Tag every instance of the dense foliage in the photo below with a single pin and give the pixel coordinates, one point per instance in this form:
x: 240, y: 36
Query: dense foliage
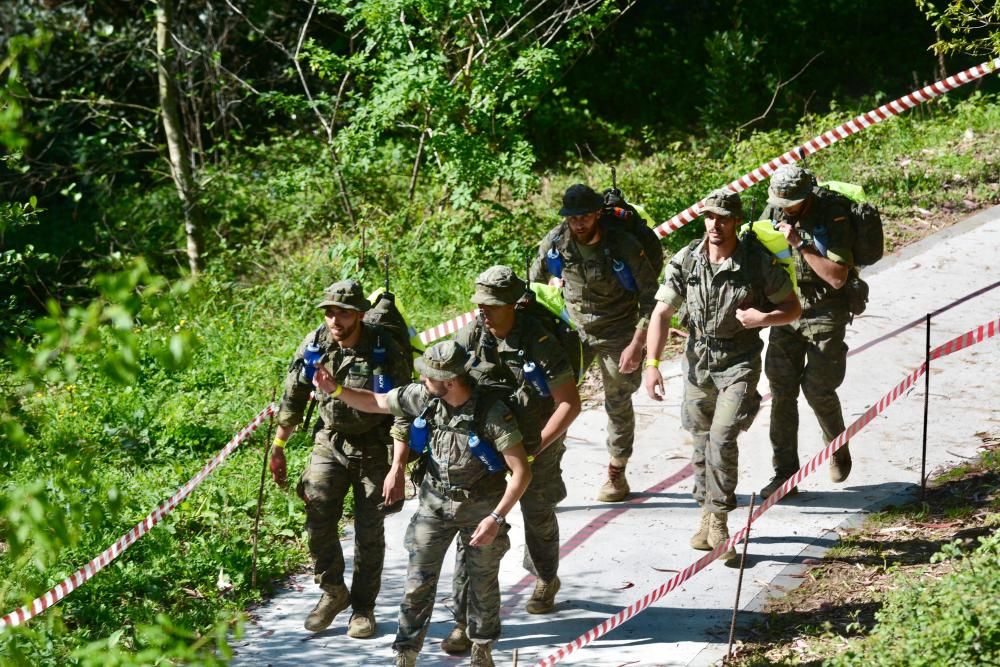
x: 950, y: 620
x: 324, y: 136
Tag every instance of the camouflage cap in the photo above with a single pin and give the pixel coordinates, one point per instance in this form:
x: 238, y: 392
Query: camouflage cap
x: 444, y: 361
x: 789, y: 186
x: 723, y: 202
x: 498, y: 286
x: 580, y: 199
x: 345, y: 294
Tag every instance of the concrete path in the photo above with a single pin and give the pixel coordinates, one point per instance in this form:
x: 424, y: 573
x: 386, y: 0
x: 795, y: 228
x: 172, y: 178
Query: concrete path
x: 613, y: 554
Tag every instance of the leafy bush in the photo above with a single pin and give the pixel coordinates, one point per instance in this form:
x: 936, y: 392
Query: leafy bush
x: 954, y: 620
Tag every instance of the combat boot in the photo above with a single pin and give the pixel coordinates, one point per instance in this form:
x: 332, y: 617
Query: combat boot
x: 406, y: 659
x: 700, y: 539
x: 482, y: 656
x: 774, y: 485
x: 718, y: 533
x: 362, y: 625
x: 543, y: 599
x: 840, y: 464
x: 332, y: 603
x: 615, y: 488
x: 457, y: 642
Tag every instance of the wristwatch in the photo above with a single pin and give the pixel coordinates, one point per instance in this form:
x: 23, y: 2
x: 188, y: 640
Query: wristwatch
x: 803, y: 243
x: 499, y: 519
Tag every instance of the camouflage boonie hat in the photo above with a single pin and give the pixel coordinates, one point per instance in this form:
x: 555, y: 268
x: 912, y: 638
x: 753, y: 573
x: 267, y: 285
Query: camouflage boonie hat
x: 580, y: 199
x: 345, y: 294
x: 723, y: 202
x: 789, y: 186
x: 498, y: 286
x: 444, y: 361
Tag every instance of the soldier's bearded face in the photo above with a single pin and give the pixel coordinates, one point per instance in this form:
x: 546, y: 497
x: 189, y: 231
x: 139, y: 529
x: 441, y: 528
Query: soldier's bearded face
x: 343, y: 323
x: 584, y: 227
x: 435, y: 388
x: 721, y: 230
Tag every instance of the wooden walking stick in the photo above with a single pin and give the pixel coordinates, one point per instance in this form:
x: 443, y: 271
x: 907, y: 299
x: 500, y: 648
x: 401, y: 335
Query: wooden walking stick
x: 739, y: 584
x: 260, y: 494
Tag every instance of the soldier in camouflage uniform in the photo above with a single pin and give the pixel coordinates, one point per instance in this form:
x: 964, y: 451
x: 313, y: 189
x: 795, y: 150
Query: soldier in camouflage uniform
x: 502, y: 340
x: 810, y: 353
x: 732, y: 288
x: 458, y: 494
x: 350, y: 452
x: 597, y: 263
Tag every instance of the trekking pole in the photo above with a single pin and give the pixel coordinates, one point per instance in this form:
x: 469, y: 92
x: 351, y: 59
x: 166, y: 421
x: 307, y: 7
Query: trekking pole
x: 260, y: 494
x: 927, y: 396
x: 753, y: 208
x: 739, y: 583
x: 387, y: 273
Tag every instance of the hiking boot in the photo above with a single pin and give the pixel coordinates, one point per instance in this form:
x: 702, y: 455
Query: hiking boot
x: 361, y: 625
x: 774, y: 485
x: 332, y: 603
x: 457, y: 642
x: 406, y: 659
x: 615, y: 488
x: 482, y: 656
x: 543, y: 600
x: 700, y: 539
x: 718, y: 533
x: 840, y: 464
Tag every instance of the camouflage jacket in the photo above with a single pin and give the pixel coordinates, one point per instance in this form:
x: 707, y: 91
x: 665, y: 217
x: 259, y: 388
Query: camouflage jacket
x: 351, y: 367
x: 825, y: 220
x: 600, y: 307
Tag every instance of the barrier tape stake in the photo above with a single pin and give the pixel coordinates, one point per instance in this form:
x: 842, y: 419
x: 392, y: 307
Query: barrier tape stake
x: 260, y: 492
x: 927, y: 400
x: 739, y: 582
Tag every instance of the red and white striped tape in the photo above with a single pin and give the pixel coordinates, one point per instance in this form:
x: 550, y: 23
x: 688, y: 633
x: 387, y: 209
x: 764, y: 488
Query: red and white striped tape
x: 81, y: 576
x: 447, y: 328
x: 884, y: 112
x: 977, y: 335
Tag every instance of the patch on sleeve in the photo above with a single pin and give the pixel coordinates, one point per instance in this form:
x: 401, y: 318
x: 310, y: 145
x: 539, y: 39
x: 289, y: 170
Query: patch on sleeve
x: 507, y: 417
x: 840, y: 219
x: 543, y: 338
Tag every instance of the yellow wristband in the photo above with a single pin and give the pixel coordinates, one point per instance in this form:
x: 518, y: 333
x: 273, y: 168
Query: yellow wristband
x: 279, y: 443
x: 531, y: 459
x: 652, y: 363
x: 338, y: 391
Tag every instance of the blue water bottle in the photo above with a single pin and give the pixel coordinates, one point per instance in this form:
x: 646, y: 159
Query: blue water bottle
x: 419, y: 432
x: 534, y: 375
x: 382, y: 382
x: 624, y: 275
x: 554, y: 263
x: 485, y: 453
x: 310, y: 359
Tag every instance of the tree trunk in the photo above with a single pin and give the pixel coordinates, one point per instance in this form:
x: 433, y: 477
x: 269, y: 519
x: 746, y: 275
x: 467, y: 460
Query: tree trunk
x: 177, y: 147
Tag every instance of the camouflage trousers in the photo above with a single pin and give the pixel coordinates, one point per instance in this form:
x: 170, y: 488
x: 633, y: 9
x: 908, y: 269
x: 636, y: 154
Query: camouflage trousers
x: 714, y: 414
x: 810, y: 354
x: 438, y: 520
x: 618, y: 390
x: 323, y: 486
x: 541, y: 528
